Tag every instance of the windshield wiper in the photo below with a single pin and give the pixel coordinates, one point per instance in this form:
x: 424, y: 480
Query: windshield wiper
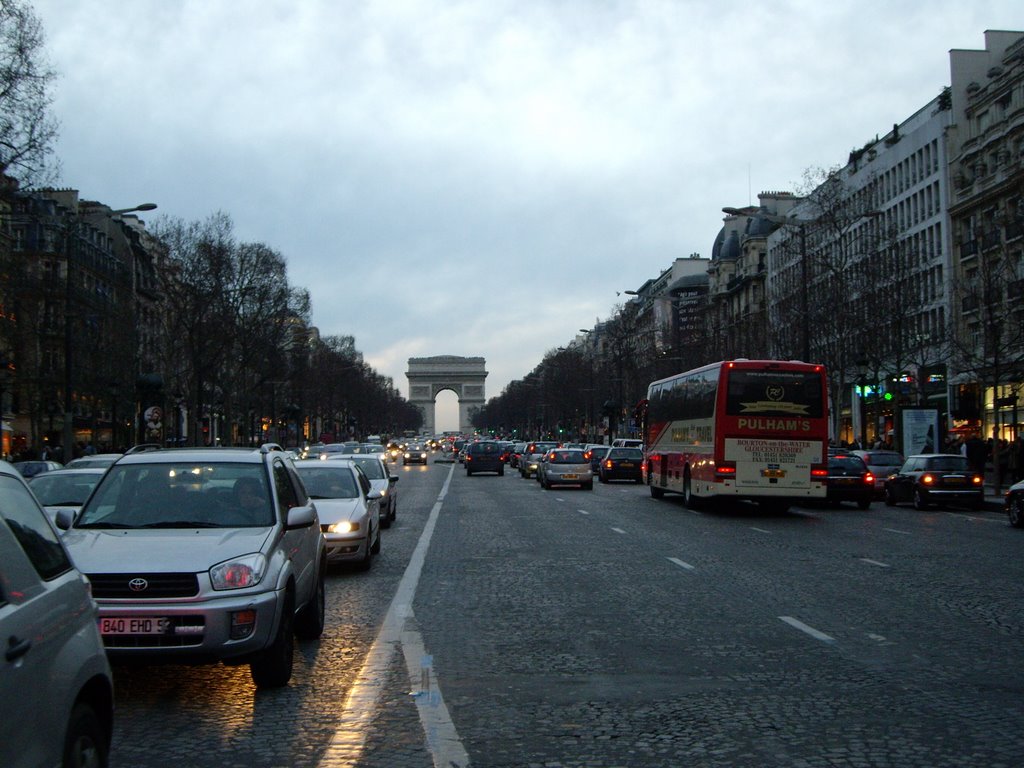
x: 105, y: 525
x: 181, y: 524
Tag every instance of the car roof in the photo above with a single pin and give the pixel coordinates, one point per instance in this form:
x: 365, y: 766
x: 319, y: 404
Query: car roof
x: 215, y: 455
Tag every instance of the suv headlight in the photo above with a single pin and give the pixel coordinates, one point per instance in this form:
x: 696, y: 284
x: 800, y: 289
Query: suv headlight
x: 241, y: 572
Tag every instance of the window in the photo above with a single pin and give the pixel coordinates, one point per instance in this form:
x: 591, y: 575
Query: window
x: 286, y: 495
x: 28, y: 523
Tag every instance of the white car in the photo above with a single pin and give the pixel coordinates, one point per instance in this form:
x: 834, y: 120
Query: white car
x: 56, y: 689
x: 64, y: 488
x: 349, y: 509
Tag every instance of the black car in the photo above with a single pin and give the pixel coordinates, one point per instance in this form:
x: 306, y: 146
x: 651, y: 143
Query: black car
x: 415, y: 454
x: 1014, y: 504
x: 485, y: 456
x: 622, y: 464
x: 849, y: 479
x: 936, y: 478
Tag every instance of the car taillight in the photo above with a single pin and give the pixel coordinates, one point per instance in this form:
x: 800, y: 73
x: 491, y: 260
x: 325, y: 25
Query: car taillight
x: 927, y: 479
x: 607, y: 463
x: 977, y: 480
x: 869, y: 479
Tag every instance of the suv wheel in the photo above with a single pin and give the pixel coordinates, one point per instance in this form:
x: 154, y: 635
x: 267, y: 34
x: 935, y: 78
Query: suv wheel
x: 273, y: 667
x: 309, y: 624
x: 84, y: 744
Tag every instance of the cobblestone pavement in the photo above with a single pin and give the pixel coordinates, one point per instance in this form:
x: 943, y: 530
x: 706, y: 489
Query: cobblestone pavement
x: 603, y: 628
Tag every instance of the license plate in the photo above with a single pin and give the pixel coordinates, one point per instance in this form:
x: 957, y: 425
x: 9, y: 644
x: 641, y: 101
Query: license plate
x: 627, y: 465
x: 568, y: 477
x: 955, y: 480
x: 848, y: 480
x: 138, y: 625
x: 773, y: 473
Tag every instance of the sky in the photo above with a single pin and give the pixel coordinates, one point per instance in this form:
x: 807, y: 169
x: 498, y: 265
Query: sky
x: 482, y: 178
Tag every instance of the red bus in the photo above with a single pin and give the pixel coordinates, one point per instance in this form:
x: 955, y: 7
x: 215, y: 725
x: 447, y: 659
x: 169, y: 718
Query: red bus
x: 743, y: 429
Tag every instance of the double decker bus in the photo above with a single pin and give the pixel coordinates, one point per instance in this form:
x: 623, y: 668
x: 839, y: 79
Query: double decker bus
x: 743, y: 429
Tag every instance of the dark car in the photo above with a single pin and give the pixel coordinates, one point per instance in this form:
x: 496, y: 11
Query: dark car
x: 621, y: 464
x: 1014, y: 504
x: 935, y: 478
x: 36, y: 467
x: 849, y: 479
x: 515, y: 454
x: 415, y: 453
x: 595, y: 453
x: 485, y: 456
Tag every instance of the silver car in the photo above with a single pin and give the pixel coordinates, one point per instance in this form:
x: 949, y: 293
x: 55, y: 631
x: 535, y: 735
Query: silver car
x: 375, y: 468
x: 349, y: 510
x: 881, y: 464
x: 565, y: 466
x: 56, y: 689
x: 203, y: 554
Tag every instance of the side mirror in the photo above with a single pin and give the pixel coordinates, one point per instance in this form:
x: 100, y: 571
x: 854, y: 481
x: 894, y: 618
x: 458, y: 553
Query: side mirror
x: 374, y: 496
x: 64, y: 519
x: 300, y: 517
x: 393, y: 478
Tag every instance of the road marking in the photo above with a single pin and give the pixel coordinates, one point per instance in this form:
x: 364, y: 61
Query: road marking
x: 618, y: 530
x: 875, y: 562
x: 894, y: 530
x: 680, y: 563
x: 977, y: 519
x: 583, y: 511
x: 809, y: 630
x: 560, y: 499
x: 759, y: 530
x: 877, y: 638
x: 360, y: 707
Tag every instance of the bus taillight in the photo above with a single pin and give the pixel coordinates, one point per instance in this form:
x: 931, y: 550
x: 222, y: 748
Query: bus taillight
x: 726, y: 469
x: 819, y: 473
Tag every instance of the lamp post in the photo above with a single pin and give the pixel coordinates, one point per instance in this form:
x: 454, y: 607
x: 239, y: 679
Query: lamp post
x: 862, y: 384
x: 69, y: 426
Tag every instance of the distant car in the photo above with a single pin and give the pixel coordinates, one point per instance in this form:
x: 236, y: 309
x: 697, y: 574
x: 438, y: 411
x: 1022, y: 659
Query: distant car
x: 203, y: 554
x: 881, y: 463
x: 621, y: 464
x: 64, y: 488
x: 935, y: 478
x: 103, y: 460
x: 484, y: 456
x: 849, y: 479
x: 625, y: 442
x: 348, y: 507
x: 1014, y: 504
x: 515, y: 454
x: 56, y: 687
x: 595, y: 452
x: 415, y: 453
x: 532, y: 453
x: 565, y: 466
x: 376, y: 470
x: 36, y: 467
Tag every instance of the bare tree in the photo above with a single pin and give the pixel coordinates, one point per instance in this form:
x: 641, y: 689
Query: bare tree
x: 27, y: 130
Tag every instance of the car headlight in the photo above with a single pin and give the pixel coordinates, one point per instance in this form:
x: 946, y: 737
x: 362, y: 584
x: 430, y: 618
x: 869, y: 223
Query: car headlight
x: 239, y: 573
x: 345, y: 526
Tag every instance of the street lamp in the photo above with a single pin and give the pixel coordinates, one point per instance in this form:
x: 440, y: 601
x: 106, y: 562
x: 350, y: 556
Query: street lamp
x: 69, y: 426
x: 862, y: 383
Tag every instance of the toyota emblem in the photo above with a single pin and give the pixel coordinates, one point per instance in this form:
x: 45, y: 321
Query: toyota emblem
x: 137, y: 585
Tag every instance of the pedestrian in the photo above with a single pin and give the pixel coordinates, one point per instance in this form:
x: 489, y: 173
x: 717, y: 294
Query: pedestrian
x: 977, y: 453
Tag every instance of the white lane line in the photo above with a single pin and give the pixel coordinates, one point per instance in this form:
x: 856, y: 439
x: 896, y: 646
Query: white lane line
x: 977, y: 519
x: 759, y: 530
x: 809, y: 630
x: 680, y: 563
x: 894, y: 530
x: 560, y: 499
x: 583, y: 511
x: 360, y: 707
x: 875, y: 562
x: 618, y: 530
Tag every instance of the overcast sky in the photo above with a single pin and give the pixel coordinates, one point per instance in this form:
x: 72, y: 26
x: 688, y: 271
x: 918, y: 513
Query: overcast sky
x: 481, y: 178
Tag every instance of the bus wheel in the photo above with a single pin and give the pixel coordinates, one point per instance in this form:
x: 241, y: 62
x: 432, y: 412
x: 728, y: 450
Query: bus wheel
x: 691, y: 501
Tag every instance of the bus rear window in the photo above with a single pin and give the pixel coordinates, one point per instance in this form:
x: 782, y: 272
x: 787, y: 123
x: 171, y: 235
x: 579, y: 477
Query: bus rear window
x: 774, y: 393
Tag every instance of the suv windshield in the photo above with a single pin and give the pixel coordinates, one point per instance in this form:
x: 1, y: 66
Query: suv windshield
x: 180, y: 495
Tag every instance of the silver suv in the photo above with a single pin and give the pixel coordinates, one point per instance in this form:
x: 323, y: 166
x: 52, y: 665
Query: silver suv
x: 56, y: 691
x: 203, y: 555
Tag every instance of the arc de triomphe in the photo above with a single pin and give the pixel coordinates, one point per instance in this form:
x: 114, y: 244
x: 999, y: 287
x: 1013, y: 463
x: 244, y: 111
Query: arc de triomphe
x: 464, y: 376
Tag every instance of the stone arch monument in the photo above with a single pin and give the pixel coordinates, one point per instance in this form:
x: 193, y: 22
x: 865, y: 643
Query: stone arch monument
x: 464, y: 376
